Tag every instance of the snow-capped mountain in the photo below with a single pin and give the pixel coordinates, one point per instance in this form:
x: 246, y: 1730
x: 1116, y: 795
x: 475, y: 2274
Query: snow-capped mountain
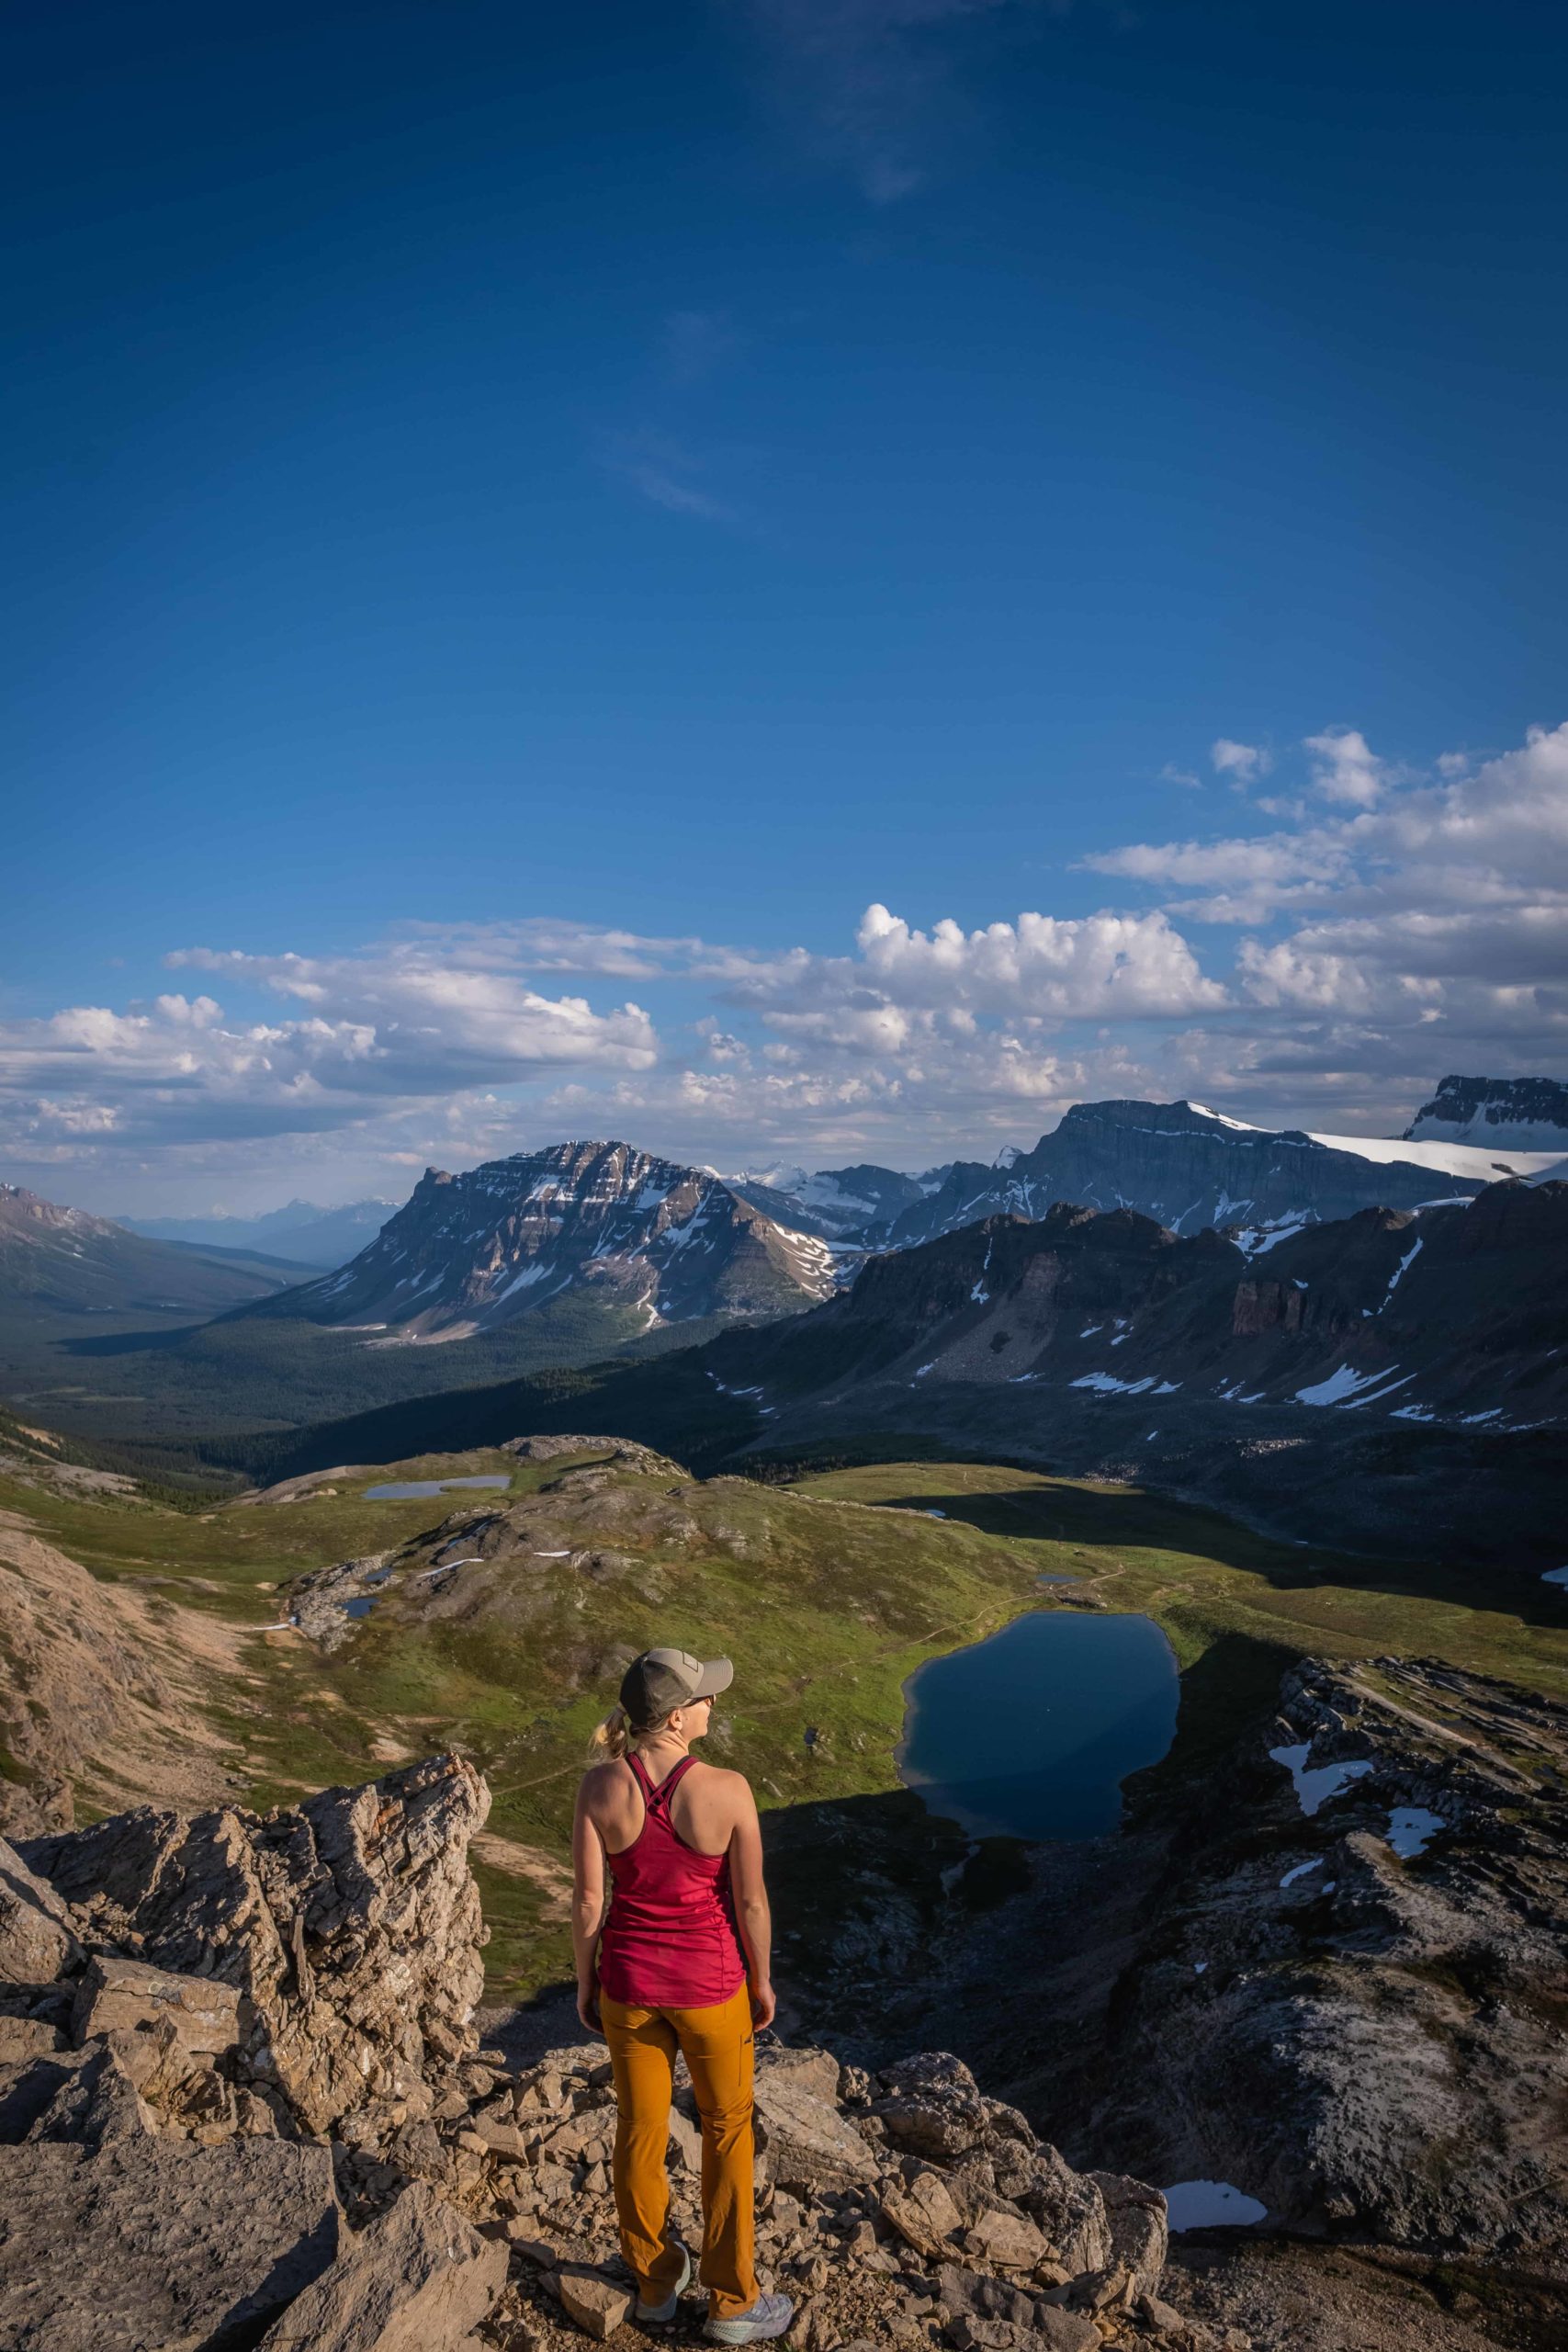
x: 620, y: 1228
x: 848, y: 1204
x: 1180, y: 1163
x: 1524, y: 1114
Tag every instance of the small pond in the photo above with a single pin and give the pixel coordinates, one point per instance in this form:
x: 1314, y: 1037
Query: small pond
x: 420, y: 1491
x: 1032, y: 1733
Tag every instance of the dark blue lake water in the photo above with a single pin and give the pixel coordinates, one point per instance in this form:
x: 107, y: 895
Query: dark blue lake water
x: 1032, y: 1733
x: 410, y: 1490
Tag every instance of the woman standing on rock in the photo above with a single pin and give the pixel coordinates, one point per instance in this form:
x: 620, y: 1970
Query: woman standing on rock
x: 679, y: 1962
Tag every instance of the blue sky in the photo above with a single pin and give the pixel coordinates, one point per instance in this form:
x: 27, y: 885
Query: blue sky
x: 522, y: 525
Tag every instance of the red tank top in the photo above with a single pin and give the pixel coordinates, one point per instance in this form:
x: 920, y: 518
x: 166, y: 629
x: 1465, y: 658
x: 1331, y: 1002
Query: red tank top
x: 671, y: 1940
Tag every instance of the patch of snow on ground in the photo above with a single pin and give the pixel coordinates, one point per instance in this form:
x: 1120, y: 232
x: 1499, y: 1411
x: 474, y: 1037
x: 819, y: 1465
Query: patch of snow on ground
x: 1254, y: 1240
x: 1109, y: 1385
x: 1167, y: 1388
x: 1090, y: 1329
x: 1340, y: 1384
x: 1409, y: 1828
x: 1314, y: 1788
x: 924, y: 1369
x: 1404, y: 1263
x: 1211, y: 2205
x: 1300, y: 1871
x: 1199, y: 1967
x: 1555, y: 1576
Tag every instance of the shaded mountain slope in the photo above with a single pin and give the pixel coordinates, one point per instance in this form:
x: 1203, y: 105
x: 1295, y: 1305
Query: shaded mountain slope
x: 64, y: 1270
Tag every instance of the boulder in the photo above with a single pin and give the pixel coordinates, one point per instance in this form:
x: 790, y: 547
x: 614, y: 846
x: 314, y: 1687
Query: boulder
x: 1140, y: 2234
x: 922, y: 2212
x: 1070, y: 2208
x: 129, y: 1995
x: 973, y: 2294
x: 598, y: 2304
x: 350, y: 1928
x: 816, y: 2071
x: 1006, y: 2241
x: 24, y: 2039
x: 933, y: 2105
x: 417, y: 2279
x: 808, y: 2143
x: 37, y: 1941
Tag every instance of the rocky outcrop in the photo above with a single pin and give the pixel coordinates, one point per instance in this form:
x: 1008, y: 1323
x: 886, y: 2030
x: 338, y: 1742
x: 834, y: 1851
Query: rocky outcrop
x: 1528, y: 1114
x: 1349, y: 2003
x: 351, y: 1929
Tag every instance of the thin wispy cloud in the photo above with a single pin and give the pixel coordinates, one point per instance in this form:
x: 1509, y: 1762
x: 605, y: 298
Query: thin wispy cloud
x: 666, y: 473
x: 872, y: 88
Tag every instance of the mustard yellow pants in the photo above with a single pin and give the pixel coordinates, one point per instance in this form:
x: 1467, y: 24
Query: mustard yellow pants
x: 716, y: 2045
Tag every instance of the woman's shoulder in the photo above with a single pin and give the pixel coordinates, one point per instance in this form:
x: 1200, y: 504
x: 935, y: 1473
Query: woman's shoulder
x: 722, y: 1780
x: 604, y: 1776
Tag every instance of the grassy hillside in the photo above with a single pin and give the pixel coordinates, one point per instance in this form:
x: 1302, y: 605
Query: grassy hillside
x: 828, y: 1594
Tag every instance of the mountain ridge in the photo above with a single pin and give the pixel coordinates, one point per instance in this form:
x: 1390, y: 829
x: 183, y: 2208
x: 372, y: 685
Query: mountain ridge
x: 480, y: 1249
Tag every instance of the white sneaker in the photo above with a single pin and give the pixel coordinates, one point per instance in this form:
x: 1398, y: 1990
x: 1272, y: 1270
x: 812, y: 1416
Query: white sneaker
x: 660, y: 2315
x: 769, y: 2315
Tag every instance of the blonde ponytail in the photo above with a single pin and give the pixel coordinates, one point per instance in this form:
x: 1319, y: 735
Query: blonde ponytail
x: 617, y: 1735
x: 611, y: 1738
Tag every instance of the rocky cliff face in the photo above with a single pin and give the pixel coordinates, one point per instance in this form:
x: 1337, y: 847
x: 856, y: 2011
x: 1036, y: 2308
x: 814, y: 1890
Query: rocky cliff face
x: 469, y: 1253
x: 1258, y: 1368
x: 243, y: 2100
x: 1185, y: 1166
x: 1526, y: 1113
x: 1452, y: 1314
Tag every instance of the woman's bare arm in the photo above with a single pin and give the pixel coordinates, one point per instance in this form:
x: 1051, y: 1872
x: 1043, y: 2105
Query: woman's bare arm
x: 588, y: 1908
x: 751, y: 1913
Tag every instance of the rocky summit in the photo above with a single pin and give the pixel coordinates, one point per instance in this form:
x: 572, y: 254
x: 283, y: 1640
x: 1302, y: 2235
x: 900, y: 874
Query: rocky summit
x: 1526, y: 1113
x: 241, y: 2081
x: 1185, y: 1166
x: 612, y: 1225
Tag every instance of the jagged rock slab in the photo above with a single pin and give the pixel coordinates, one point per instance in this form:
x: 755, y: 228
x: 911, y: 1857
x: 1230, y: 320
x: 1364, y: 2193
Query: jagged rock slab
x: 112, y: 2235
x: 420, y: 2278
x: 128, y: 1996
x: 351, y: 1926
x: 37, y: 1941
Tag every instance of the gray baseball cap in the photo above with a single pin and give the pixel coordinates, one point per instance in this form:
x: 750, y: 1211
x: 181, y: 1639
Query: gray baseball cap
x: 660, y: 1680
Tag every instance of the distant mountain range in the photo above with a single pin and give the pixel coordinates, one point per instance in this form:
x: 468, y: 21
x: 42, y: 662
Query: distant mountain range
x: 1529, y: 1113
x: 62, y: 1271
x: 1387, y: 1381
x: 1183, y: 1165
x: 469, y: 1253
x: 301, y: 1232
